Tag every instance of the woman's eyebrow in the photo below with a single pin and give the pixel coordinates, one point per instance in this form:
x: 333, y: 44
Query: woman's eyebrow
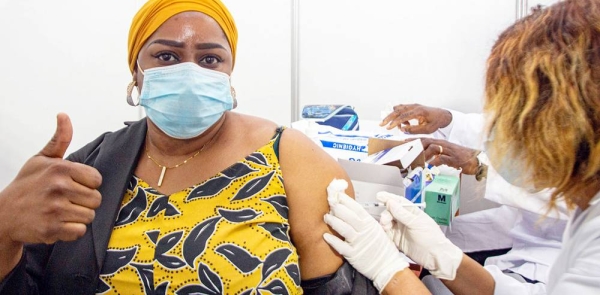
x: 171, y: 43
x: 209, y: 46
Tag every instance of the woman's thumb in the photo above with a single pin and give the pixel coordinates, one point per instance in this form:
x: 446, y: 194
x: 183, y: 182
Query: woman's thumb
x: 57, y: 146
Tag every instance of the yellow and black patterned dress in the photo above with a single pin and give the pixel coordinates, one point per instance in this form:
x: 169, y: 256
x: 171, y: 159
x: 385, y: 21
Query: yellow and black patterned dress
x: 226, y: 235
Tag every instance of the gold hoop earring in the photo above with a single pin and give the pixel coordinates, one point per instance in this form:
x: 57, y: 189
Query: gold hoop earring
x: 233, y: 94
x: 129, y: 97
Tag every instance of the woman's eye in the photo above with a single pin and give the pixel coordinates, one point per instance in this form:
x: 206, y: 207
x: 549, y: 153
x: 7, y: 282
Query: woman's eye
x: 166, y: 57
x: 210, y: 60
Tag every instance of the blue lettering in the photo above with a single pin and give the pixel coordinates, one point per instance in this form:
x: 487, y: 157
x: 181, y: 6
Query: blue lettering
x: 343, y: 146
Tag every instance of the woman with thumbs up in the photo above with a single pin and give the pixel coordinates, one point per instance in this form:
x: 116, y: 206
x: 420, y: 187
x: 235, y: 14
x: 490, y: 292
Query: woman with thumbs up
x: 50, y: 199
x: 194, y: 198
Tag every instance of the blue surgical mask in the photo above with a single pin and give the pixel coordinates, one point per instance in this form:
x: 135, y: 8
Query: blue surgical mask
x: 511, y: 168
x: 184, y: 100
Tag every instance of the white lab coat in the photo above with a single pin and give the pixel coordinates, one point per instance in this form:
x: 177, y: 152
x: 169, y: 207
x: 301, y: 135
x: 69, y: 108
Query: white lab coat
x: 576, y: 269
x: 518, y: 224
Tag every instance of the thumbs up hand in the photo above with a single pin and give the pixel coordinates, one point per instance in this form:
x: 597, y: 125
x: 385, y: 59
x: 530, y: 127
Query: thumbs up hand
x: 51, y: 199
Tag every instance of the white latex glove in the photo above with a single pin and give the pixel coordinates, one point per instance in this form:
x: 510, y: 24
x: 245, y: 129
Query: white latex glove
x: 419, y: 237
x: 366, y: 247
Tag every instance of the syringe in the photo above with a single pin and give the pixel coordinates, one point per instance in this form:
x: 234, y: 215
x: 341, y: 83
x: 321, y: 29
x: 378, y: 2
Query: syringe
x: 379, y: 204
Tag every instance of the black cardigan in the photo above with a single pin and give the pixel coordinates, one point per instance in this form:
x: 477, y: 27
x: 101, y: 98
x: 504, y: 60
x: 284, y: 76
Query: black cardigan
x: 73, y: 267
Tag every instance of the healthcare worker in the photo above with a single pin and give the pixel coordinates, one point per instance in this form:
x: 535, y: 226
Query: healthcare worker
x: 543, y: 105
x: 522, y: 223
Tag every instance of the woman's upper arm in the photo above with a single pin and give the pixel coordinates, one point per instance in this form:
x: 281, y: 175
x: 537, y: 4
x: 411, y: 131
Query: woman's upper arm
x: 307, y: 171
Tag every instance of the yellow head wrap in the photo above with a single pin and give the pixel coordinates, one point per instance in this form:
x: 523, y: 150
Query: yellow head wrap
x: 155, y: 12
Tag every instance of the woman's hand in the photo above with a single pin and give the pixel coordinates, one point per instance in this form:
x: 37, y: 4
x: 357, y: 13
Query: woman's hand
x: 429, y: 119
x: 366, y: 247
x: 51, y: 199
x: 441, y: 152
x: 419, y: 237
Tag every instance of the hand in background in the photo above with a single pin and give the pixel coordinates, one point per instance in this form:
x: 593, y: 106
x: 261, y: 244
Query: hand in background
x: 366, y: 247
x: 441, y: 152
x: 419, y: 237
x: 429, y: 119
x: 50, y: 199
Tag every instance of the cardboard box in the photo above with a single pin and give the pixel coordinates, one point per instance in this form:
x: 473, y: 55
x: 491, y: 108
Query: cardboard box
x: 386, y: 175
x: 399, y: 153
x: 368, y: 179
x: 442, y: 198
x: 344, y: 144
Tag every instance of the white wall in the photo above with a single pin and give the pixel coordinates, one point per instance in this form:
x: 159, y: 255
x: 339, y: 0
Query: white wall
x: 533, y: 3
x: 379, y: 52
x: 262, y: 74
x: 68, y: 57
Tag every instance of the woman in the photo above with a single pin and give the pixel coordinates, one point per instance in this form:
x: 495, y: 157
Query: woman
x: 194, y: 197
x: 543, y: 107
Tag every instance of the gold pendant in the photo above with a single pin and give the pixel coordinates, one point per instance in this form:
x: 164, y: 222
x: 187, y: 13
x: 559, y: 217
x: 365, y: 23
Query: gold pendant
x: 162, y: 175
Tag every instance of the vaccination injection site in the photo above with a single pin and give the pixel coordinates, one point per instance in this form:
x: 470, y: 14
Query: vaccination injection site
x: 275, y: 147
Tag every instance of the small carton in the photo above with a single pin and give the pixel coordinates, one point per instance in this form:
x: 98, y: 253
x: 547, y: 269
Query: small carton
x: 340, y: 144
x: 442, y: 198
x: 415, y: 185
x: 369, y: 178
x: 399, y: 153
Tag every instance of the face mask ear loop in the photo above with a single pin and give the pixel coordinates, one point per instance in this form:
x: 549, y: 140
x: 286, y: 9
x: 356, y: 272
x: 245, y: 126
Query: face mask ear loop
x: 139, y: 68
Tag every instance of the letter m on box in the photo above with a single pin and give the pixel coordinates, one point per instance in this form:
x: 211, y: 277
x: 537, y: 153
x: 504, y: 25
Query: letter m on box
x: 442, y: 198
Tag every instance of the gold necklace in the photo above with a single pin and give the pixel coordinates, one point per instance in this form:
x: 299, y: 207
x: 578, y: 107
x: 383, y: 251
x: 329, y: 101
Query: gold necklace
x: 164, y: 167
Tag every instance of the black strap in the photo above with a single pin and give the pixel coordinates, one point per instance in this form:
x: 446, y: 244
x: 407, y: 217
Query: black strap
x: 277, y: 136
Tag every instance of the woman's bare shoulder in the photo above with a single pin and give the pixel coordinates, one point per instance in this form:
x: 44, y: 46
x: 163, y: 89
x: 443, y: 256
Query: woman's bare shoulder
x: 250, y: 129
x: 249, y: 124
x: 307, y: 171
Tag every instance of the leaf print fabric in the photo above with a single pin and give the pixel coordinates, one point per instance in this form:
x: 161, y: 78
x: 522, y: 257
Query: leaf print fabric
x: 226, y: 235
x: 195, y: 243
x: 238, y: 256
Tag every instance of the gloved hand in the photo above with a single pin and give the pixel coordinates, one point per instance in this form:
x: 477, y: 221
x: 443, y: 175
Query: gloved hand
x: 419, y: 237
x: 366, y: 247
